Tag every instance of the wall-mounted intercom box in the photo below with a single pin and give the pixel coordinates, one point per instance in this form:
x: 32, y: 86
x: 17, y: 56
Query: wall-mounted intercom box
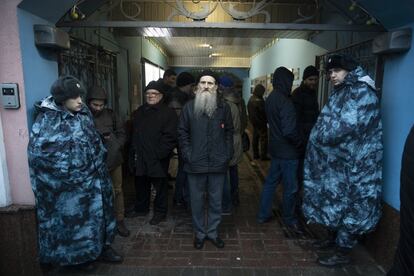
x: 10, y: 95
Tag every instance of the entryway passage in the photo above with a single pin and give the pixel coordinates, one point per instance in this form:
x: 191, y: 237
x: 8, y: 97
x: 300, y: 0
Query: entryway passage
x: 251, y: 249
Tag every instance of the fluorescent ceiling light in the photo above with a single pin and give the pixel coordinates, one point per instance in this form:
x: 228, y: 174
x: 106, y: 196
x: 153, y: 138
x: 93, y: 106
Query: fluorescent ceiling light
x: 156, y: 32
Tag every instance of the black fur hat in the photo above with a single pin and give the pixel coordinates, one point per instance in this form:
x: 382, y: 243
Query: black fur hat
x: 341, y: 61
x: 66, y: 87
x: 156, y: 85
x: 208, y: 72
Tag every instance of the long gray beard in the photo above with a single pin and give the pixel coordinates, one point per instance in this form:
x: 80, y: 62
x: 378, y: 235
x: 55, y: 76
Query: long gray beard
x: 205, y: 103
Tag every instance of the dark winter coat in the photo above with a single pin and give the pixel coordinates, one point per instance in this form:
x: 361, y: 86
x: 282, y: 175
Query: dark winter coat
x: 206, y: 143
x: 154, y: 136
x: 307, y: 110
x: 234, y: 103
x: 284, y: 141
x: 108, y: 124
x: 343, y: 162
x: 404, y: 256
x: 72, y: 188
x: 257, y: 112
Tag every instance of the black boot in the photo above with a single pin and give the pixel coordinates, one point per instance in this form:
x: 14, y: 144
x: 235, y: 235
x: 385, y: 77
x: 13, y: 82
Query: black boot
x: 121, y: 229
x: 339, y: 257
x: 326, y: 243
x: 109, y: 255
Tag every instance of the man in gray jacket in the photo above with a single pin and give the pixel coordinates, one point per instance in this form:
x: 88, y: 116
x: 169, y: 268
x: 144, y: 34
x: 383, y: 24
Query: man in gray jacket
x: 113, y: 135
x: 205, y: 136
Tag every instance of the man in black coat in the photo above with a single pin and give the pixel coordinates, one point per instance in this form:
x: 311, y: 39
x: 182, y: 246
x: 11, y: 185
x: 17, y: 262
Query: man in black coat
x: 257, y: 117
x: 285, y: 146
x: 404, y: 256
x: 154, y: 135
x: 305, y: 99
x: 205, y: 136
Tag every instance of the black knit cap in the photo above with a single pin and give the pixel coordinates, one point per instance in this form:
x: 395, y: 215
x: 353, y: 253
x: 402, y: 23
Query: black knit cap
x: 65, y: 88
x: 156, y: 85
x: 341, y: 61
x: 207, y: 72
x: 184, y: 78
x: 310, y: 71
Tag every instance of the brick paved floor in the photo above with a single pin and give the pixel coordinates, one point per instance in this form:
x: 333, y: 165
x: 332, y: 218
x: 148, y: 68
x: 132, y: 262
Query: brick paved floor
x: 251, y: 249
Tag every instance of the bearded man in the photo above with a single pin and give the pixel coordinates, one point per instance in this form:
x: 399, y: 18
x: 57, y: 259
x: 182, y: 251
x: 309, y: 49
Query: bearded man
x: 205, y: 137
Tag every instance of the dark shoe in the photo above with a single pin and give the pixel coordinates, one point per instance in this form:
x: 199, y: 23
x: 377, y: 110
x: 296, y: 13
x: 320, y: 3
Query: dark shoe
x: 338, y: 258
x: 121, y: 229
x: 266, y: 220
x: 157, y: 218
x: 323, y: 244
x: 134, y: 214
x: 296, y: 228
x: 109, y: 255
x: 178, y: 203
x: 198, y: 243
x: 219, y: 243
x: 265, y: 158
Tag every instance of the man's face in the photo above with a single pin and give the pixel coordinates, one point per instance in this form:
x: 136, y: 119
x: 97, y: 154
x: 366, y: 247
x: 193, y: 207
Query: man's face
x: 337, y: 75
x: 170, y: 80
x: 207, y: 84
x: 188, y: 89
x: 153, y: 96
x: 311, y: 82
x: 73, y: 105
x: 96, y: 106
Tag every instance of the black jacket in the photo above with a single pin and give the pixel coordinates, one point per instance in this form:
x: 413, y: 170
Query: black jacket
x: 257, y: 112
x: 404, y: 256
x: 206, y: 143
x: 154, y: 136
x: 307, y: 109
x: 284, y: 141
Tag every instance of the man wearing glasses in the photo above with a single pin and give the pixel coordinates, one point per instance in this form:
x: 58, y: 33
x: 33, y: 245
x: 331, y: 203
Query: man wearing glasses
x: 154, y: 135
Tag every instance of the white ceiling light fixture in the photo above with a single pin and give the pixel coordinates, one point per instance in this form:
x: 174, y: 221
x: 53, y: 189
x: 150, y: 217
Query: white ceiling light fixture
x: 156, y: 32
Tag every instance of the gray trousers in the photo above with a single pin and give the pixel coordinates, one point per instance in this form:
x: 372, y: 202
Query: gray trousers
x: 198, y: 184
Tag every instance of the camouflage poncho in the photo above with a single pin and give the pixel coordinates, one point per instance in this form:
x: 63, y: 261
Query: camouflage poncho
x: 343, y: 163
x: 71, y: 184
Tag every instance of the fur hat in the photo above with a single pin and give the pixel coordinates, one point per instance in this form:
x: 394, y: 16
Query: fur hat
x: 66, y: 87
x: 341, y: 61
x: 309, y: 72
x: 156, y: 85
x: 184, y: 78
x: 207, y: 73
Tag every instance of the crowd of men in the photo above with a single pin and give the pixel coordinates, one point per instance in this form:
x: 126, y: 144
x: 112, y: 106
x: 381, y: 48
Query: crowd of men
x: 75, y: 157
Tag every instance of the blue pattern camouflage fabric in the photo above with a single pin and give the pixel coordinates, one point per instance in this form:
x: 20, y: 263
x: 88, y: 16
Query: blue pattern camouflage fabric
x: 72, y: 187
x: 343, y: 163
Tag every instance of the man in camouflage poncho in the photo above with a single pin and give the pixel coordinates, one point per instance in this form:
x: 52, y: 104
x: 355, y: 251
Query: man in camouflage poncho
x: 70, y: 181
x: 343, y: 163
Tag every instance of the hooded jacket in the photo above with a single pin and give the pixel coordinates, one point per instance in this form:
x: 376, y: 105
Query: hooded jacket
x: 284, y: 141
x: 108, y: 124
x: 343, y: 161
x: 72, y: 188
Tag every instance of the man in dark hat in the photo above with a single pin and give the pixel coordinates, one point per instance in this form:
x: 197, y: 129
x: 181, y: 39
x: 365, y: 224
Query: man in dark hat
x: 205, y: 136
x: 343, y: 162
x: 285, y: 145
x: 168, y: 82
x: 154, y: 135
x: 180, y: 95
x: 305, y: 99
x: 109, y: 126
